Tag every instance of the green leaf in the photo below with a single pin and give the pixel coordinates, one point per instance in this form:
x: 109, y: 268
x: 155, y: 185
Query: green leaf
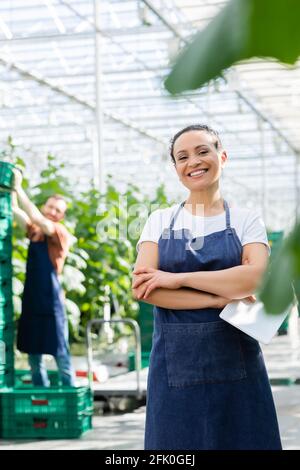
x: 73, y: 278
x: 77, y: 260
x: 17, y: 303
x: 243, y: 29
x: 294, y: 247
x: 277, y: 292
x: 73, y: 312
x: 17, y: 286
x: 296, y: 285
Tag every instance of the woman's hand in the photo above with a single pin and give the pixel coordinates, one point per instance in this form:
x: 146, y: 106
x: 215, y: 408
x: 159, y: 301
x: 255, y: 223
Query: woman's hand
x: 250, y: 298
x: 148, y: 279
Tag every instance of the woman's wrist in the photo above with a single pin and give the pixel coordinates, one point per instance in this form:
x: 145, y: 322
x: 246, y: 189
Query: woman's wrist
x: 183, y: 279
x: 192, y: 280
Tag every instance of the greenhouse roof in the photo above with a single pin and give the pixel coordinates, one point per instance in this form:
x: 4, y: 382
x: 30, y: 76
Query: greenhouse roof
x: 69, y: 69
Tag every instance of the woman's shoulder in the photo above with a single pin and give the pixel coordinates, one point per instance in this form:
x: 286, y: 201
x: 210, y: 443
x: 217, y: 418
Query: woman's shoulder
x: 246, y: 217
x: 242, y: 211
x: 158, y: 220
x: 164, y: 213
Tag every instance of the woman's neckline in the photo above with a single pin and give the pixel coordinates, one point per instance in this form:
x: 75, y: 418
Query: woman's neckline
x: 203, y: 216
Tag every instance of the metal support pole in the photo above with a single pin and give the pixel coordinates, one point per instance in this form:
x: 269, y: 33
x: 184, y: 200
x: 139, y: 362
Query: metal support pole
x: 98, y: 161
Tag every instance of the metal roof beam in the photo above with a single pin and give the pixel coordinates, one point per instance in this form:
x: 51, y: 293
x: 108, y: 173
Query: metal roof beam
x: 44, y: 82
x: 46, y: 37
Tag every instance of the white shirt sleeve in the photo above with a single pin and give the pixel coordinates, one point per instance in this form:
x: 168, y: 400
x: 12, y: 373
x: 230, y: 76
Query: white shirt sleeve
x: 152, y: 229
x: 255, y: 230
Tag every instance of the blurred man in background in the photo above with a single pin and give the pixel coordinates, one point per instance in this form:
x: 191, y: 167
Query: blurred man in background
x: 43, y: 327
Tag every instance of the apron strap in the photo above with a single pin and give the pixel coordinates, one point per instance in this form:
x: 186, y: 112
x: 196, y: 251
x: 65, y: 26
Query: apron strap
x: 173, y: 220
x: 227, y: 214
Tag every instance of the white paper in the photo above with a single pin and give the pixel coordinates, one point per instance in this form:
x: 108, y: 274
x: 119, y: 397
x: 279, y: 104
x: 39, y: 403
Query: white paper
x: 252, y: 319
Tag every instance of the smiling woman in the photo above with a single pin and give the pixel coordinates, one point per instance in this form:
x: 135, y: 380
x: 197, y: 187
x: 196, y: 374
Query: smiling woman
x: 207, y: 384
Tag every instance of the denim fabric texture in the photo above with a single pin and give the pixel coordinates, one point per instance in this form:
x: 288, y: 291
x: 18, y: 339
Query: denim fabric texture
x: 63, y: 362
x: 42, y: 322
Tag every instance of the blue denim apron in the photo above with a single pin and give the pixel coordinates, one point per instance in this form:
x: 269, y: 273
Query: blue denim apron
x: 42, y: 322
x: 207, y: 385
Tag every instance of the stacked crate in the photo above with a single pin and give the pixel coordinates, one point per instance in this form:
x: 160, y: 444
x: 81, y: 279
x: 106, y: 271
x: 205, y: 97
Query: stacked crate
x: 51, y: 413
x: 6, y: 306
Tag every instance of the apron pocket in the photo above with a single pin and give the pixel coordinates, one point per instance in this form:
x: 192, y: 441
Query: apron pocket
x: 202, y: 353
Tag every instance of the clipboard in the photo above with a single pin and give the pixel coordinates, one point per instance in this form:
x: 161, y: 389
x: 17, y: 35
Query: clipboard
x: 252, y: 319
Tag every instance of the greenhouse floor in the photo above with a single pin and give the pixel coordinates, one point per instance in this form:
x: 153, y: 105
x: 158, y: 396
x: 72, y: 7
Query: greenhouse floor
x: 125, y: 430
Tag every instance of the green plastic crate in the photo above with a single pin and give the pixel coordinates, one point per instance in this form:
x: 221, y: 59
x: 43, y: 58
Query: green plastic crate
x: 9, y: 355
x: 5, y: 290
x: 6, y: 245
x: 7, y: 376
x: 131, y: 360
x: 6, y: 271
x: 9, y: 359
x: 275, y: 236
x: 282, y: 381
x: 275, y: 240
x: 39, y: 412
x: 7, y: 332
x: 6, y: 309
x: 23, y: 378
x: 5, y: 205
x: 45, y: 427
x: 6, y: 175
x: 9, y: 367
x: 2, y: 354
x: 5, y: 227
x: 42, y: 401
x: 145, y: 321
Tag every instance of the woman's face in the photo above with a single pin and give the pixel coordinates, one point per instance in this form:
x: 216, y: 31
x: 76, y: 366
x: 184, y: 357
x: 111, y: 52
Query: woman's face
x: 197, y: 160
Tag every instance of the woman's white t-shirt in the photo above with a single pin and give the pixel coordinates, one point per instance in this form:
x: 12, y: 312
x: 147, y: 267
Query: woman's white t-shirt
x: 248, y: 224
